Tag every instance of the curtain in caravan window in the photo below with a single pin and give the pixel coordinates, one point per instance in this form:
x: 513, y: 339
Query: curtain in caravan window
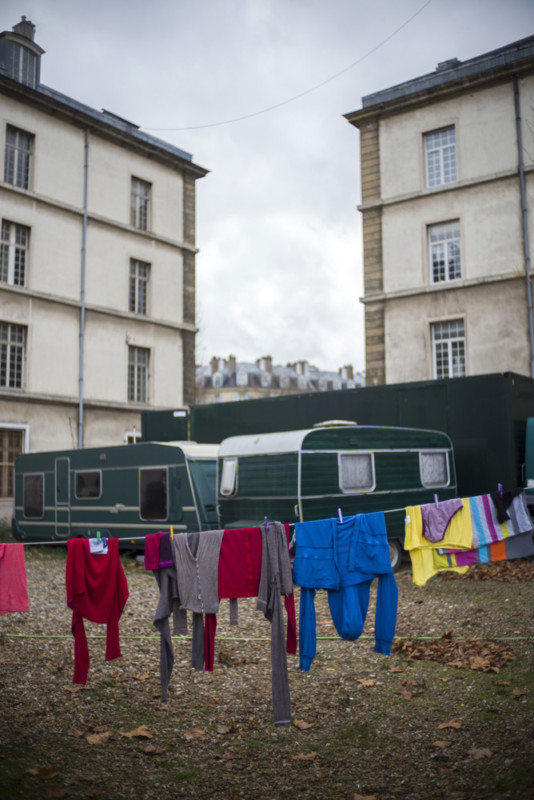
x: 356, y: 472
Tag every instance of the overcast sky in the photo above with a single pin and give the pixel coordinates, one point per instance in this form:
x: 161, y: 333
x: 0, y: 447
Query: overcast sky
x: 279, y: 270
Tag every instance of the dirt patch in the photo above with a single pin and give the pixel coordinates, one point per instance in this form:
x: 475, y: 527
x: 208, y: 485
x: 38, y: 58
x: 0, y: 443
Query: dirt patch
x: 363, y: 725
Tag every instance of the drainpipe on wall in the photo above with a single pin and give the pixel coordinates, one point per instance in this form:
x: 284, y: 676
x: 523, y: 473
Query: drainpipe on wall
x: 524, y: 212
x: 82, y: 291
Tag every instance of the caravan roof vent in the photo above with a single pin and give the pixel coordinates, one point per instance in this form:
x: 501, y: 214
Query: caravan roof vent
x: 333, y: 423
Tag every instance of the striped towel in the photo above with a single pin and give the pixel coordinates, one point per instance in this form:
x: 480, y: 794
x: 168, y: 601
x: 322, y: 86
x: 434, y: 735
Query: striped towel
x: 486, y: 527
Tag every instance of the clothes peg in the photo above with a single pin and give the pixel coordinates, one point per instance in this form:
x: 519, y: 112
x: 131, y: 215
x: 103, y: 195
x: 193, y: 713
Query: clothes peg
x: 172, y: 533
x: 98, y: 535
x: 499, y: 486
x: 266, y: 524
x: 436, y: 501
x: 340, y: 515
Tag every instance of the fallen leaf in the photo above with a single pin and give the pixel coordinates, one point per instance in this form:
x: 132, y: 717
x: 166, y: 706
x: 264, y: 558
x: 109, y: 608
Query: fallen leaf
x: 451, y: 724
x: 441, y: 743
x: 144, y: 677
x: 497, y: 682
x: 56, y: 791
x: 141, y: 732
x: 395, y: 669
x: 518, y: 692
x: 44, y: 773
x: 304, y: 757
x: 211, y: 702
x: 404, y: 693
x: 152, y: 749
x: 364, y: 797
x: 223, y: 729
x: 302, y: 725
x: 74, y: 689
x: 194, y: 733
x: 367, y: 681
x: 479, y: 752
x: 98, y: 738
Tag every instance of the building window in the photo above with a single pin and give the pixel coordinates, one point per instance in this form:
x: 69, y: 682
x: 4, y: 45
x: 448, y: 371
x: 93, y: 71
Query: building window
x: 18, y: 155
x: 24, y: 66
x: 242, y: 377
x: 440, y: 156
x: 140, y: 204
x: 448, y: 347
x: 132, y: 437
x: 11, y: 444
x: 138, y: 361
x: 139, y: 277
x: 14, y: 244
x: 12, y: 341
x: 444, y: 252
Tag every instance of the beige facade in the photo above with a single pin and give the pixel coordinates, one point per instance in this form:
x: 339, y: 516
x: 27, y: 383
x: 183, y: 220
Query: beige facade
x: 447, y: 163
x: 97, y: 270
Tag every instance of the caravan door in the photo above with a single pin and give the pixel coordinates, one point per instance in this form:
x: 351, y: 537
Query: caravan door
x: 62, y: 497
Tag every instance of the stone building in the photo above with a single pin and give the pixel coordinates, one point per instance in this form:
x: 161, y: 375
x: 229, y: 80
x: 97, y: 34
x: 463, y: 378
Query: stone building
x: 447, y: 178
x: 227, y: 379
x: 97, y: 267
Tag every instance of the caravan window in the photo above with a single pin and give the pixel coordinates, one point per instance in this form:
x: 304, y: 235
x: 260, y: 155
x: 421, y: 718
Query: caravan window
x: 153, y: 493
x: 33, y: 495
x: 88, y: 484
x: 229, y: 477
x: 434, y: 469
x: 356, y: 472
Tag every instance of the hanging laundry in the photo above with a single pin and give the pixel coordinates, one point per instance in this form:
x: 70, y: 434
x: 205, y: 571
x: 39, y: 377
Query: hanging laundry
x: 518, y: 546
x: 458, y: 535
x: 472, y: 536
x: 97, y: 590
x: 502, y: 502
x: 344, y: 558
x: 13, y: 583
x: 276, y: 579
x: 485, y: 519
x: 437, y: 517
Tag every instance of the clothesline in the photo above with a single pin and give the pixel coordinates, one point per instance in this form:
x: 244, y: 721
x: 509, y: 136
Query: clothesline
x: 133, y: 539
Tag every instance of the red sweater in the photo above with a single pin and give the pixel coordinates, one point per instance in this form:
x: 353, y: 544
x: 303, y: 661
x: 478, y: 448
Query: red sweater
x: 97, y: 590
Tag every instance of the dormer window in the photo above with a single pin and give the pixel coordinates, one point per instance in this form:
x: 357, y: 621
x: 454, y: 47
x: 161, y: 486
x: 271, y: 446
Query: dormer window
x: 20, y: 57
x: 24, y: 66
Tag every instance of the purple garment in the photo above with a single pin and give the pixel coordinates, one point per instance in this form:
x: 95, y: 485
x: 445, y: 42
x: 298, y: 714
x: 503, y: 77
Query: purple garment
x: 436, y: 519
x: 165, y: 551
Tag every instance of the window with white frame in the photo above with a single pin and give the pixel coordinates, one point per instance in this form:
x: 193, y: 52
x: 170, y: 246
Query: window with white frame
x: 138, y: 364
x: 14, y: 243
x: 444, y: 252
x: 228, y: 483
x: 356, y: 472
x: 448, y: 348
x: 440, y: 156
x: 434, y: 469
x: 12, y: 346
x: 140, y: 204
x: 11, y: 444
x: 18, y: 157
x: 138, y: 294
x: 24, y: 65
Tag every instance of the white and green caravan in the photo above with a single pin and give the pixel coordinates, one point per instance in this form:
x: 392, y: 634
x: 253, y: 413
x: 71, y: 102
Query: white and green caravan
x: 309, y: 474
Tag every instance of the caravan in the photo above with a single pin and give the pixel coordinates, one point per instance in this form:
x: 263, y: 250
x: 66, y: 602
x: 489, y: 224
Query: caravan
x: 335, y: 467
x: 125, y: 491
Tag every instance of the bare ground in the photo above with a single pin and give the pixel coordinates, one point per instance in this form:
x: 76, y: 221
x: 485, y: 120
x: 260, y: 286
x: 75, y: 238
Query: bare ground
x: 457, y: 725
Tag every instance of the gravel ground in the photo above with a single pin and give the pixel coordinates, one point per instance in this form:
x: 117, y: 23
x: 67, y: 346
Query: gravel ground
x: 447, y: 715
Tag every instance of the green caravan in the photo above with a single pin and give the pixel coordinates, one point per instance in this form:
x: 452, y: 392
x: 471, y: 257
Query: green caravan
x: 335, y: 467
x: 123, y: 491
